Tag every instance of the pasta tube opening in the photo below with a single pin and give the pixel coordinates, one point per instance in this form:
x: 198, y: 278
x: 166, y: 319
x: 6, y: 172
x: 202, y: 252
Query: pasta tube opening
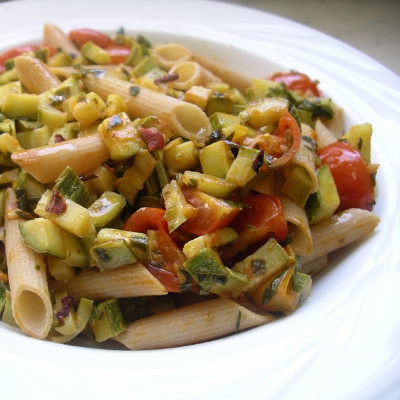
x: 32, y: 313
x: 190, y: 120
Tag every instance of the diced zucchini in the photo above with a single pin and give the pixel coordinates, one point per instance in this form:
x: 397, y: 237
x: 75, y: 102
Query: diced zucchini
x: 87, y: 109
x: 263, y: 112
x: 218, y: 238
x: 8, y: 317
x: 9, y: 144
x: 359, y: 137
x: 51, y: 117
x: 20, y: 105
x: 221, y: 120
x: 177, y: 208
x: 95, y: 53
x: 138, y: 242
x: 28, y: 191
x: 144, y: 66
x: 115, y: 104
x: 261, y: 88
x: 219, y: 102
x: 8, y: 126
x: 208, y: 271
x: 298, y: 186
x: 241, y: 171
x: 14, y: 87
x: 106, y: 208
x: 121, y: 137
x: 180, y: 155
x: 60, y: 272
x: 68, y: 324
x: 135, y: 176
x: 71, y: 187
x: 67, y: 132
x: 44, y: 236
x: 216, y: 159
x: 75, y: 219
x: 107, y: 320
x: 217, y: 187
x: 267, y: 261
x: 198, y: 95
x: 111, y: 255
x: 3, y: 291
x: 36, y: 138
x: 104, y: 180
x: 322, y: 204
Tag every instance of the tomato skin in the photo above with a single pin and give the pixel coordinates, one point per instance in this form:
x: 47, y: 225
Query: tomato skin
x: 351, y: 175
x: 153, y: 218
x: 212, y: 213
x: 261, y: 220
x: 16, y: 52
x: 118, y: 54
x: 84, y: 35
x: 296, y: 81
x: 168, y: 279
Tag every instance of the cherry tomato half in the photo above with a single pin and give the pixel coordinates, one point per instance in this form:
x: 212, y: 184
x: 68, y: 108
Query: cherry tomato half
x: 261, y: 220
x: 296, y: 81
x: 118, y: 54
x: 153, y: 218
x: 84, y: 35
x: 351, y: 175
x: 17, y: 52
x: 212, y: 213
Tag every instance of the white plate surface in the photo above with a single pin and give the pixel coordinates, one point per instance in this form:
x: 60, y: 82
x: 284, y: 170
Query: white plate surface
x: 344, y: 340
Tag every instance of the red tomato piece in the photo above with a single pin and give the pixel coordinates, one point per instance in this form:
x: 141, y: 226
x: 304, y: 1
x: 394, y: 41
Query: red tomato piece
x: 212, y: 214
x: 168, y: 279
x: 153, y: 218
x: 154, y: 139
x: 16, y: 52
x: 351, y: 175
x: 118, y: 54
x: 84, y: 35
x: 261, y: 220
x: 296, y: 81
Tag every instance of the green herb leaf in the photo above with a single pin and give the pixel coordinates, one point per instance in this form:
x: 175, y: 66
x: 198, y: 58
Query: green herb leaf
x: 239, y: 317
x: 134, y: 90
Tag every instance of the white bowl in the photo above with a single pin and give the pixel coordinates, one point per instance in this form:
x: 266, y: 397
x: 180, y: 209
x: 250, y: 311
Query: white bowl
x: 343, y: 341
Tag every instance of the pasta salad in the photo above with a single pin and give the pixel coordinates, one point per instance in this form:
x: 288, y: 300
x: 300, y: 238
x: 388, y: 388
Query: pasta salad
x: 157, y: 198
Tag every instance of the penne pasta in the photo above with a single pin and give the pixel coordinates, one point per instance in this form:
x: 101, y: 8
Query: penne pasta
x: 47, y: 162
x: 191, y: 74
x: 297, y: 222
x: 185, y: 119
x: 31, y: 304
x: 171, y: 54
x: 55, y: 37
x: 171, y: 199
x: 190, y: 324
x: 129, y: 281
x: 324, y: 135
x: 340, y: 230
x: 35, y: 75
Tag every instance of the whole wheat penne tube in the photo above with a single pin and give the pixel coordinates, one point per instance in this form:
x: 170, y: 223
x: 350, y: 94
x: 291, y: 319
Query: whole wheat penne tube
x: 313, y: 266
x: 47, y: 162
x: 340, y: 230
x: 336, y: 124
x: 190, y: 324
x: 129, y: 281
x: 191, y: 74
x: 31, y: 304
x: 184, y: 118
x: 35, y: 75
x: 297, y: 221
x: 324, y: 135
x: 171, y: 53
x: 55, y: 37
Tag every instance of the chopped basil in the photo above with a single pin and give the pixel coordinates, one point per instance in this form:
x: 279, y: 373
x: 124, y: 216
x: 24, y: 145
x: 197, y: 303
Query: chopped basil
x: 134, y: 90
